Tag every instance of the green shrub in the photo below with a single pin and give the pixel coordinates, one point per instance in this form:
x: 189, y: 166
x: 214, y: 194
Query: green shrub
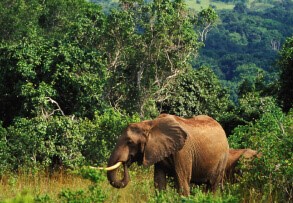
x: 43, y: 199
x: 43, y: 142
x: 271, y: 175
x: 197, y: 196
x: 101, y: 134
x: 169, y: 195
x: 60, y: 141
x: 94, y: 193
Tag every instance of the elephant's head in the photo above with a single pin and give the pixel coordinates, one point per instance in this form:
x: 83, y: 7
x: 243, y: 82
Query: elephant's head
x: 146, y: 142
x: 234, y: 157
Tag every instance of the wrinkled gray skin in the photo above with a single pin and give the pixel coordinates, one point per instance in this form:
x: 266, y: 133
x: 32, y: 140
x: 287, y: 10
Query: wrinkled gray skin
x: 191, y: 150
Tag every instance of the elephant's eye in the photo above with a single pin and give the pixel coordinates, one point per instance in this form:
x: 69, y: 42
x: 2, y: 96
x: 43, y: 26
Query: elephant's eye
x: 130, y: 142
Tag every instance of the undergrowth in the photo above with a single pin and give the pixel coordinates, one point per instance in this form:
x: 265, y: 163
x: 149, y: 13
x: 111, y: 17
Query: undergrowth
x: 93, y: 187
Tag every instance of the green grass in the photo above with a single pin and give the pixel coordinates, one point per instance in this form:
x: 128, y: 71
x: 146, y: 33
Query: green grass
x: 38, y: 184
x: 224, y: 6
x: 24, y: 187
x: 206, y: 3
x: 41, y: 187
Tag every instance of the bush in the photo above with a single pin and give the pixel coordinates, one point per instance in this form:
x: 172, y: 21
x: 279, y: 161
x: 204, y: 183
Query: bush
x: 101, y: 134
x: 60, y: 141
x: 43, y: 142
x: 37, y: 69
x: 196, y: 196
x: 271, y: 175
x: 94, y: 193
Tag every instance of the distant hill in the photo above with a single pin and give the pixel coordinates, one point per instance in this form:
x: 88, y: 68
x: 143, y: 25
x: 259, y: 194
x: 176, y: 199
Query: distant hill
x: 248, y: 32
x: 247, y: 36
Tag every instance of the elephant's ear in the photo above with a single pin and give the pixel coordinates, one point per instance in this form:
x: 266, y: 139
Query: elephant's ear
x: 165, y: 137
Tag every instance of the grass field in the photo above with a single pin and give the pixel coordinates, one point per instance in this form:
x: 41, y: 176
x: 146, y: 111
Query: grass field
x: 48, y: 188
x: 39, y: 184
x: 206, y: 3
x: 40, y: 187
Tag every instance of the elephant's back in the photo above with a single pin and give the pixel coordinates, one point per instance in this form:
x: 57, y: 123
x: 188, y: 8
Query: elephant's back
x: 203, y: 125
x: 199, y: 121
x: 204, y: 134
x: 208, y: 134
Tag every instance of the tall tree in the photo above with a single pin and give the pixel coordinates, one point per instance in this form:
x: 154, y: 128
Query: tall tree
x: 148, y: 43
x: 36, y: 76
x: 206, y: 19
x: 286, y: 75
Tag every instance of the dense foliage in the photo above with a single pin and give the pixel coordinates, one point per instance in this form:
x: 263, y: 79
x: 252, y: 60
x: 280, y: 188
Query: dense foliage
x: 62, y: 76
x: 253, y: 35
x: 196, y: 92
x: 286, y: 75
x: 272, y: 135
x: 73, y: 74
x: 36, y: 70
x: 60, y: 141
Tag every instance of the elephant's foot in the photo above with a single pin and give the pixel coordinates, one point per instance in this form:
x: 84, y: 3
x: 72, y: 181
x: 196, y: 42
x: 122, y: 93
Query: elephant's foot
x: 160, y: 178
x: 183, y: 188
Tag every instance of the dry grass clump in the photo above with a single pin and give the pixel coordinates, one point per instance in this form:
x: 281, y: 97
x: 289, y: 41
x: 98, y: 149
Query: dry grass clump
x: 39, y: 184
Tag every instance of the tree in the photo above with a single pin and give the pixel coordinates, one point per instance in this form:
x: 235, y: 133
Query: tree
x: 196, y: 92
x: 206, y: 19
x: 56, y: 16
x: 18, y: 19
x: 37, y: 71
x: 250, y: 78
x: 21, y: 18
x: 147, y: 44
x: 242, y: 38
x: 285, y: 64
x: 240, y: 7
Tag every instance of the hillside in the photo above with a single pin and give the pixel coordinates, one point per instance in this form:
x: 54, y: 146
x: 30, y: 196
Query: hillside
x: 246, y: 35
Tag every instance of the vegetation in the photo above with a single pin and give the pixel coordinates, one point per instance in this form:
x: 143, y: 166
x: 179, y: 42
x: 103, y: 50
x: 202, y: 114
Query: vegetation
x: 251, y: 36
x: 285, y: 83
x: 73, y: 74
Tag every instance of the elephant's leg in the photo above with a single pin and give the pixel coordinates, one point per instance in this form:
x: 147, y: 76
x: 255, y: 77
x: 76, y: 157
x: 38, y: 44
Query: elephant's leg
x: 217, y: 178
x: 183, y: 170
x: 211, y: 185
x: 182, y: 180
x: 219, y: 181
x: 184, y: 188
x: 160, y: 178
x: 182, y: 185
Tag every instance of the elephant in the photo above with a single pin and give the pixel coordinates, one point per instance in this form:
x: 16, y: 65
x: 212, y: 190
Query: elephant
x: 234, y: 158
x: 193, y: 150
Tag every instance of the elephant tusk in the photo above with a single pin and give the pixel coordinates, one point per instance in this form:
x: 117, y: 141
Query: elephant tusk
x: 110, y: 168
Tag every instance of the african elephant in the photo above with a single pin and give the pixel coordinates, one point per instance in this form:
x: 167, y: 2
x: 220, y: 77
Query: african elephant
x: 193, y: 150
x: 233, y: 160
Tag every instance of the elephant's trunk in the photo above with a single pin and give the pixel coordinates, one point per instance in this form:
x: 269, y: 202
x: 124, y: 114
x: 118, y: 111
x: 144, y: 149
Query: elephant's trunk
x: 112, y: 177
